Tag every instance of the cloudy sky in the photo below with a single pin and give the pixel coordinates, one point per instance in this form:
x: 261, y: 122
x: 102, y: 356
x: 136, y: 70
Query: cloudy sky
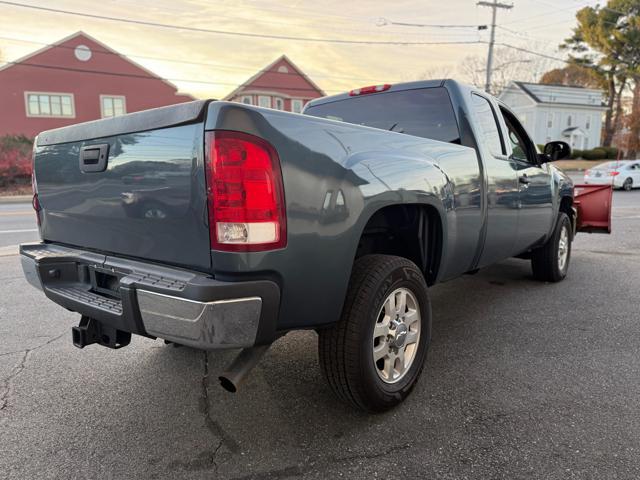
x: 210, y: 65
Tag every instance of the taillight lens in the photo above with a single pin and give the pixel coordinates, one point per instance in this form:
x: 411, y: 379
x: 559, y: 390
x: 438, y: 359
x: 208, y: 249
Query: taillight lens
x: 613, y: 174
x: 587, y: 173
x: 35, y: 202
x: 245, y: 194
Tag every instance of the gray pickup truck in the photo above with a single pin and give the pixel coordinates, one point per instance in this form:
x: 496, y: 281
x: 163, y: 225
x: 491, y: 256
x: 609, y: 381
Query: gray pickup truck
x: 220, y: 225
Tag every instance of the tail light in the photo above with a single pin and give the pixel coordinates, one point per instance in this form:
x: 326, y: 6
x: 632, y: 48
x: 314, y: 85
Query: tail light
x: 587, y: 173
x: 371, y: 89
x: 244, y: 193
x: 35, y: 202
x: 613, y: 174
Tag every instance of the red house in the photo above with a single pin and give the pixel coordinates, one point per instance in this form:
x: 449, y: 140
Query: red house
x: 280, y: 85
x: 75, y: 80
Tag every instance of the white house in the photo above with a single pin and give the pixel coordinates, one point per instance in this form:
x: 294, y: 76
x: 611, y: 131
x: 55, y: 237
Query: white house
x: 557, y: 112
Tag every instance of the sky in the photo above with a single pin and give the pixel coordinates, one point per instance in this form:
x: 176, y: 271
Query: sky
x: 209, y: 65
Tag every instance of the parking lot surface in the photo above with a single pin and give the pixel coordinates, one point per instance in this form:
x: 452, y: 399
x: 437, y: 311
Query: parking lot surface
x: 523, y: 380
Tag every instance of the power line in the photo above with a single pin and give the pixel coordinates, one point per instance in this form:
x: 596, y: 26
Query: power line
x: 173, y: 60
x: 237, y: 34
x: 147, y: 77
x: 384, y: 22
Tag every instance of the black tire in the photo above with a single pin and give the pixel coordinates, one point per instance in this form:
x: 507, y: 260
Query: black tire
x: 345, y: 349
x: 628, y: 185
x: 545, y: 260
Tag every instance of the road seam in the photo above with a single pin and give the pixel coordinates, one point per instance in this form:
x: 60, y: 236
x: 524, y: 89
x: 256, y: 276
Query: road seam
x: 18, y: 369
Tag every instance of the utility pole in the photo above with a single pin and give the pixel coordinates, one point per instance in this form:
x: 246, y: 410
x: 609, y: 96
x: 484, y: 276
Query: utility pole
x: 495, y: 5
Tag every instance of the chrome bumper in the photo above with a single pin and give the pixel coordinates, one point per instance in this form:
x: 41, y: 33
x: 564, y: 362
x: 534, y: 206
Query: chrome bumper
x: 223, y: 323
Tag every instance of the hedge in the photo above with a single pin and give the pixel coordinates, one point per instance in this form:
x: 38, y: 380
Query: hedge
x: 15, y: 160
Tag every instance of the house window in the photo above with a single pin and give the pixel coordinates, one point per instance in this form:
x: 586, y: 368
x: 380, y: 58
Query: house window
x: 112, y: 105
x: 52, y: 105
x: 247, y: 100
x: 568, y: 120
x: 549, y: 120
x: 279, y: 103
x: 588, y: 124
x: 264, y: 101
x: 296, y: 105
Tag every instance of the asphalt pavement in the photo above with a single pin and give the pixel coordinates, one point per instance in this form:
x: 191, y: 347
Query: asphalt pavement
x: 523, y: 380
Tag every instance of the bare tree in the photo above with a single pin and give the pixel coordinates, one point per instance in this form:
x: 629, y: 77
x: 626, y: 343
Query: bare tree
x: 508, y: 65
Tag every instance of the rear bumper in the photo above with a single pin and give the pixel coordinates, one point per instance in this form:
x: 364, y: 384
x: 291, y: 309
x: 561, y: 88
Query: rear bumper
x: 189, y: 308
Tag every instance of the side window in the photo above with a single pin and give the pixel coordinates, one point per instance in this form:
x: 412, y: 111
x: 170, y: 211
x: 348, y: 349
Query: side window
x: 522, y: 148
x: 488, y: 124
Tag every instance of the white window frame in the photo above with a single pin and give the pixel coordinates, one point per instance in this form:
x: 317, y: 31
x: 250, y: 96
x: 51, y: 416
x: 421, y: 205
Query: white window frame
x: 49, y: 94
x: 278, y: 103
x: 264, y: 97
x: 246, y: 97
x: 104, y: 96
x: 297, y: 101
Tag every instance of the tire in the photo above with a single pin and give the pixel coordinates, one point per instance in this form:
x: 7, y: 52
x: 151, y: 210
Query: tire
x: 547, y: 262
x: 627, y: 185
x: 346, y: 350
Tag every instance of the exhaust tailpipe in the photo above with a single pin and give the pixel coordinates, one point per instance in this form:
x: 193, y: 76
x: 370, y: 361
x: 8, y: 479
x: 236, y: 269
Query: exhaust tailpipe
x: 239, y: 369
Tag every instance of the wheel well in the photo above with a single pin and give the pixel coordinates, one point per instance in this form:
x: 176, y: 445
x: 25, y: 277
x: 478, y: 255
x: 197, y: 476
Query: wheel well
x: 410, y: 231
x: 566, y: 206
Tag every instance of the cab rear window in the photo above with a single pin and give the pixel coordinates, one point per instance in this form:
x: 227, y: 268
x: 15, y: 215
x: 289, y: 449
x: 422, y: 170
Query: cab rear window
x: 424, y: 112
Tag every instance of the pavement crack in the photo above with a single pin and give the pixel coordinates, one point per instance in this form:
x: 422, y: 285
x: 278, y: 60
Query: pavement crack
x: 7, y: 383
x: 213, y: 426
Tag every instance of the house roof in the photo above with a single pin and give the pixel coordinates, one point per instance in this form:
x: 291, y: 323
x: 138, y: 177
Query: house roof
x: 247, y: 84
x: 106, y: 48
x: 525, y: 87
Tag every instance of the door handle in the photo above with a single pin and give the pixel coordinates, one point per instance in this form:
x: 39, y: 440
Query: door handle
x: 93, y: 158
x: 524, y: 179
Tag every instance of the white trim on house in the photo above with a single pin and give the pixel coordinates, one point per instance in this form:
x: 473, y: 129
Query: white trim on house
x: 49, y: 94
x: 300, y: 102
x: 106, y: 47
x: 112, y: 97
x: 240, y: 89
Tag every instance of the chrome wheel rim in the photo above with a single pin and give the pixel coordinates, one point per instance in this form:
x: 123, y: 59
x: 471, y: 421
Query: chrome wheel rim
x: 396, y: 335
x: 563, y: 248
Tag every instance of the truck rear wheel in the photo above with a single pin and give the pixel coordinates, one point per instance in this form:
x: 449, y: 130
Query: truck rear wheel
x: 373, y: 356
x: 550, y: 263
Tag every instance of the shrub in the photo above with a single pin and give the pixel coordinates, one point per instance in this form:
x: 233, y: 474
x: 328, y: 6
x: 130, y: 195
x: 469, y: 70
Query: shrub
x: 612, y: 152
x: 576, y: 153
x: 15, y: 160
x: 594, y: 154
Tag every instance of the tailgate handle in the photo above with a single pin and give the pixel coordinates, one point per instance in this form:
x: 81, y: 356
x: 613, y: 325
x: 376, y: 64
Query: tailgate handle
x: 93, y: 158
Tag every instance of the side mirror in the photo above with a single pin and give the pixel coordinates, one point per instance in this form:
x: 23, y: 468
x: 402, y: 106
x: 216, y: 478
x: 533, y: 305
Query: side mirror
x: 557, y: 150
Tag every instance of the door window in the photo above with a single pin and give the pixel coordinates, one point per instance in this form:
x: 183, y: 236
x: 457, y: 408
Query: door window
x: 488, y: 124
x: 522, y: 147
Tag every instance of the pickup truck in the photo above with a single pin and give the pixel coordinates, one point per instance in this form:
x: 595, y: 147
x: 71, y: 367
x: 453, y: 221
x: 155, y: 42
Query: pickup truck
x: 221, y: 225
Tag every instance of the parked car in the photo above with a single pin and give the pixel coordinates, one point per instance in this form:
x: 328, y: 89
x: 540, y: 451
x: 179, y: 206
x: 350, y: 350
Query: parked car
x: 624, y: 174
x: 337, y: 220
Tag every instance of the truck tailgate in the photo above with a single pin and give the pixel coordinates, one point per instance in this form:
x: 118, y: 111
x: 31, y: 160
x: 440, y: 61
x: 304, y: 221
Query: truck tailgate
x: 147, y: 201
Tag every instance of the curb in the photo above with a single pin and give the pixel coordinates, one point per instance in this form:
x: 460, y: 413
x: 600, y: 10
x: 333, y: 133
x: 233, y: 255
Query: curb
x: 16, y: 199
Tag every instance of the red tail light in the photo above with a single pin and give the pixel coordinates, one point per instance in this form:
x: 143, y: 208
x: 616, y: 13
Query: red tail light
x: 35, y: 202
x: 613, y: 174
x: 371, y: 89
x: 244, y: 192
x: 587, y: 173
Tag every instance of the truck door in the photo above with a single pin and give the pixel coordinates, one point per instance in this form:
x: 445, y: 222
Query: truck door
x: 535, y: 191
x: 501, y: 184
